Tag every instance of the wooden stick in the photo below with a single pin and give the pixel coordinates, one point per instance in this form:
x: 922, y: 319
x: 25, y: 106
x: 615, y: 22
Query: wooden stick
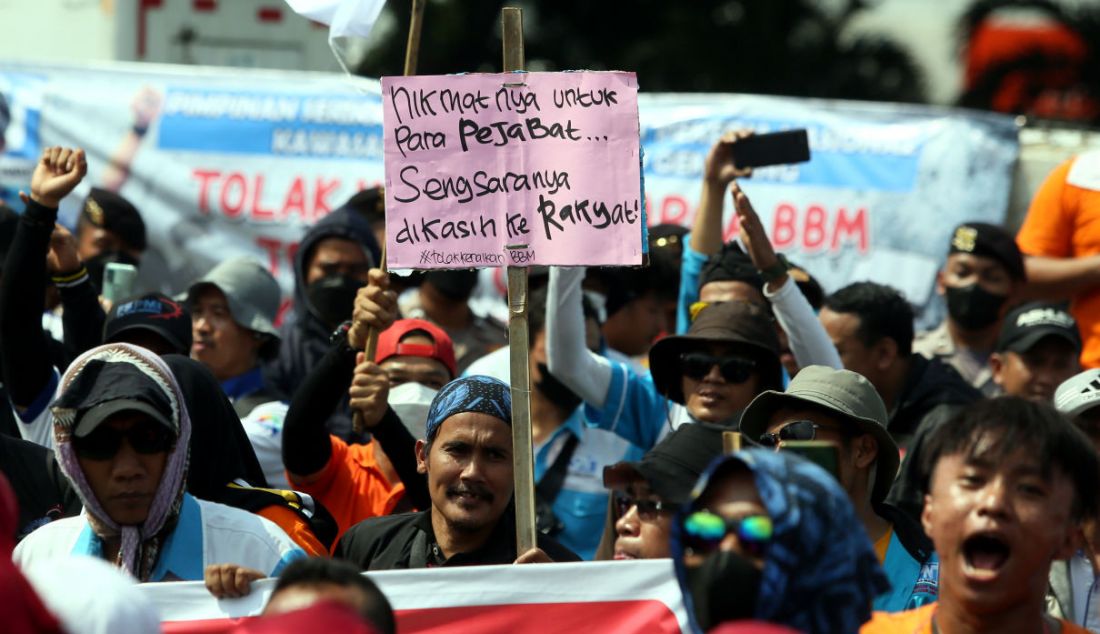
x: 731, y: 442
x: 523, y: 460
x: 412, y: 54
x: 412, y: 48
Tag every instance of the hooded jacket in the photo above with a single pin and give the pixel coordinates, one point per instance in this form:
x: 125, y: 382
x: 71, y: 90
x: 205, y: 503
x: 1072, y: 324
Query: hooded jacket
x: 305, y: 337
x: 934, y: 392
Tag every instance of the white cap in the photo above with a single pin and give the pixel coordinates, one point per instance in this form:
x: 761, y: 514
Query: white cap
x: 1078, y: 393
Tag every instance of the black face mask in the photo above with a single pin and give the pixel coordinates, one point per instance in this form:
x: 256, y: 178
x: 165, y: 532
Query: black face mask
x: 332, y: 298
x: 96, y: 265
x: 973, y: 307
x: 557, y: 392
x: 454, y: 285
x: 724, y: 588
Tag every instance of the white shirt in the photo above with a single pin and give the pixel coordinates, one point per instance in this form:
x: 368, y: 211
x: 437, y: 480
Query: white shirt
x: 206, y: 533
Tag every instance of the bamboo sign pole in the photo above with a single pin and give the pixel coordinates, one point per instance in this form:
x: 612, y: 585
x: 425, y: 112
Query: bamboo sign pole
x: 522, y: 454
x: 412, y: 53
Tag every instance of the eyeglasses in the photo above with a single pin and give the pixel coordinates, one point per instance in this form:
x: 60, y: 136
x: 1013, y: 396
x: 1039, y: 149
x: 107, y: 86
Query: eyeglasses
x: 697, y: 365
x: 146, y: 437
x: 795, y: 430
x: 648, y: 510
x: 703, y: 531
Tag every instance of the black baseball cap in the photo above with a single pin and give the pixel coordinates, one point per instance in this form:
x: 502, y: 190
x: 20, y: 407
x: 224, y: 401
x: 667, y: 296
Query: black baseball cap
x: 153, y: 312
x: 108, y: 210
x: 1029, y: 323
x: 674, y: 465
x: 991, y: 241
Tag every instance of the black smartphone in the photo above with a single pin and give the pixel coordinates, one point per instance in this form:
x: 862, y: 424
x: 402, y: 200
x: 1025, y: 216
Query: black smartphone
x: 825, y: 454
x: 776, y: 148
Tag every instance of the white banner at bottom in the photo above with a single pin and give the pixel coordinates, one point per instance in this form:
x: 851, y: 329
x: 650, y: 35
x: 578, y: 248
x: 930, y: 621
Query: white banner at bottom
x: 614, y: 597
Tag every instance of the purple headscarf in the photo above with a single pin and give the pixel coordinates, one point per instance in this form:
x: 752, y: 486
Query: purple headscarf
x: 140, y: 544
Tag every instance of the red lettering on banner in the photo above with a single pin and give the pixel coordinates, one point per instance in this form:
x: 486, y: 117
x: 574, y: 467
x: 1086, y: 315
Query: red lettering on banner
x: 296, y: 200
x: 291, y: 253
x: 259, y: 213
x: 273, y: 248
x: 204, y: 177
x: 674, y: 210
x: 320, y: 196
x: 284, y: 308
x: 856, y: 227
x: 278, y: 252
x: 783, y: 227
x: 230, y: 208
x: 813, y: 235
x: 733, y: 229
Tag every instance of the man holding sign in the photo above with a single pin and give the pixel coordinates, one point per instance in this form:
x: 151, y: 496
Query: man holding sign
x: 467, y: 456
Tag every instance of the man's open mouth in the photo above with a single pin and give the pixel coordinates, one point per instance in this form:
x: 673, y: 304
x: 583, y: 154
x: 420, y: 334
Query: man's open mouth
x: 985, y: 554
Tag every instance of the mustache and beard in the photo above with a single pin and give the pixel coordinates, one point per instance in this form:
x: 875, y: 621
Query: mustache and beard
x: 474, y: 490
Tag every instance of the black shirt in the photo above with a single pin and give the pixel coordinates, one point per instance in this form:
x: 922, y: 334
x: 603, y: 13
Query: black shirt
x: 408, y: 541
x: 43, y: 492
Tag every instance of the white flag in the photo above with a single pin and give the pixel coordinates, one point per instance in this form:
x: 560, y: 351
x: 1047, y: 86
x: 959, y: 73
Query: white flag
x: 345, y: 17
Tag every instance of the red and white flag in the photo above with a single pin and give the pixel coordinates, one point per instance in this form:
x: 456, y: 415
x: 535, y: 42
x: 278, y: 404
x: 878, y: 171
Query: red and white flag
x: 614, y: 597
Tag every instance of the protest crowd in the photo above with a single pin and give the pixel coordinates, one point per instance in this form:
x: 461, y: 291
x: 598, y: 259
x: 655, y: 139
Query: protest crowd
x: 804, y: 458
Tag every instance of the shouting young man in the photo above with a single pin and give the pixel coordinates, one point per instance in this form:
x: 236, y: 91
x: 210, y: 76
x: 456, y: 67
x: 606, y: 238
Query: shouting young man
x: 1009, y: 482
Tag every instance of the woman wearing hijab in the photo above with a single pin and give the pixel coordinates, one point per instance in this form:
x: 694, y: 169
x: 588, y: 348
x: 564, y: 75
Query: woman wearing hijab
x: 224, y: 467
x: 123, y: 437
x: 770, y: 536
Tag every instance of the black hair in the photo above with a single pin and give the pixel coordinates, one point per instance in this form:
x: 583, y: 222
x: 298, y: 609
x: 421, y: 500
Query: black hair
x: 731, y: 264
x: 994, y: 429
x: 665, y: 265
x: 882, y: 311
x: 312, y: 571
x: 536, y: 312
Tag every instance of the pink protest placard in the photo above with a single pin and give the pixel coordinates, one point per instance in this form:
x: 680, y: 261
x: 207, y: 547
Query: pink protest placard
x: 512, y: 170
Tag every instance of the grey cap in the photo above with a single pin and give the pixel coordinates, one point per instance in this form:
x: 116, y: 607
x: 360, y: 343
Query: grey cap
x: 847, y: 395
x: 252, y: 293
x: 1078, y: 393
x: 95, y: 416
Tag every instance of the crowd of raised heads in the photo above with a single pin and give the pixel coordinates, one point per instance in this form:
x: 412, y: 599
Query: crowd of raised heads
x: 806, y: 459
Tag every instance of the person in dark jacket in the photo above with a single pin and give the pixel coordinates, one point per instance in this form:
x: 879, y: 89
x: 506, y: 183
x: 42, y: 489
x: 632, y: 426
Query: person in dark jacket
x: 331, y: 265
x: 842, y: 407
x: 872, y: 328
x: 467, y: 456
x: 43, y: 492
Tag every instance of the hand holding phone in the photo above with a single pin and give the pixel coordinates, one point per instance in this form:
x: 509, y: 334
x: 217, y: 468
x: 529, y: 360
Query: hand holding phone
x: 776, y: 148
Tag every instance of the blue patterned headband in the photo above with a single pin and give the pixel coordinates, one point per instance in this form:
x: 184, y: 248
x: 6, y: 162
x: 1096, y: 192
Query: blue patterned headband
x: 481, y: 394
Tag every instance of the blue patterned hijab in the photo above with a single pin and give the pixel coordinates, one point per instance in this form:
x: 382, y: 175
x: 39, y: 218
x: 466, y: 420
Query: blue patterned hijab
x: 820, y: 573
x: 481, y: 394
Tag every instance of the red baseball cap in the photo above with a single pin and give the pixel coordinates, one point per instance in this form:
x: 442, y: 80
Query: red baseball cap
x: 389, y: 343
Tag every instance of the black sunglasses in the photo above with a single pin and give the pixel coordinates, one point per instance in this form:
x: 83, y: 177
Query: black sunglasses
x: 647, y: 509
x: 697, y: 365
x: 794, y: 430
x: 145, y: 437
